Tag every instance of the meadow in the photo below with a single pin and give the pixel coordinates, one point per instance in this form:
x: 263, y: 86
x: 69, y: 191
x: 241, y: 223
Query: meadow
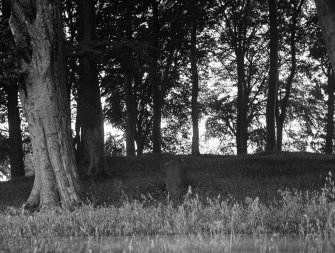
x: 254, y: 203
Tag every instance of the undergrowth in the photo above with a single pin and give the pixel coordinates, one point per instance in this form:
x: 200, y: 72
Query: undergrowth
x: 251, y: 209
x: 307, y: 215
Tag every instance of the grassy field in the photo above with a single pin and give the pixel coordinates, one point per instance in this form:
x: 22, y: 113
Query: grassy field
x: 253, y: 203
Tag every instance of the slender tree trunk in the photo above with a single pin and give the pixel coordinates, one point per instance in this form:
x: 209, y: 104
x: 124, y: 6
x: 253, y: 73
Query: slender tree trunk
x: 131, y: 115
x: 128, y: 63
x: 155, y: 83
x: 195, y: 88
x: 92, y: 157
x: 241, y: 123
x: 38, y: 33
x: 283, y: 104
x: 330, y: 113
x: 273, y: 76
x: 139, y: 118
x: 15, y: 138
x: 14, y: 121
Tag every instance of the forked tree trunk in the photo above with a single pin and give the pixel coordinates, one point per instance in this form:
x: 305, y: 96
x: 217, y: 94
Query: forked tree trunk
x: 273, y: 75
x: 14, y: 121
x: 91, y: 152
x: 38, y: 33
x: 195, y: 86
x: 283, y: 103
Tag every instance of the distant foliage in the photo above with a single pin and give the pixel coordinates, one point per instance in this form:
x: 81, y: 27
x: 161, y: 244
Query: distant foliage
x: 114, y: 146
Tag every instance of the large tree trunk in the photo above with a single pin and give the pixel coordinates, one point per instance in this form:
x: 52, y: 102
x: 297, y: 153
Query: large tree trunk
x: 155, y: 83
x: 38, y: 33
x: 92, y: 157
x: 330, y: 113
x: 273, y: 76
x: 195, y: 87
x: 14, y: 121
x: 326, y: 14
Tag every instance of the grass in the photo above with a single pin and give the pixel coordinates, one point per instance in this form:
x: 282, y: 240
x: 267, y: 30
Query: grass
x: 259, y: 203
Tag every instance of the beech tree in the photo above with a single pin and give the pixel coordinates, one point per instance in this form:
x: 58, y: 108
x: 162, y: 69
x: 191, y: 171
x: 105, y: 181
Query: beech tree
x: 38, y: 34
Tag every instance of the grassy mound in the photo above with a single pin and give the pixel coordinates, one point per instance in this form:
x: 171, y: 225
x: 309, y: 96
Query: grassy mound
x: 252, y: 203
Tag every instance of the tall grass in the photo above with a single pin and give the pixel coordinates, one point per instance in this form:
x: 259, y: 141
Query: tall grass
x: 132, y: 213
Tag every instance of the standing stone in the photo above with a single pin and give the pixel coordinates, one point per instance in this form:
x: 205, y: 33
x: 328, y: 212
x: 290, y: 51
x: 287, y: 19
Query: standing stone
x: 176, y: 179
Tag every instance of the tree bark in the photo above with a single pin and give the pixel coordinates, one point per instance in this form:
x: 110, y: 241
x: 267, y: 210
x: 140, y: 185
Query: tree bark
x: 330, y: 112
x: 92, y: 157
x: 155, y: 83
x: 242, y: 101
x: 326, y: 14
x: 273, y: 77
x: 14, y: 121
x: 38, y: 33
x: 131, y: 115
x: 15, y: 138
x: 195, y: 85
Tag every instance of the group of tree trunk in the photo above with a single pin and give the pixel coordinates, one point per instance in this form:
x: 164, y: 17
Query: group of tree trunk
x: 277, y: 107
x: 38, y: 33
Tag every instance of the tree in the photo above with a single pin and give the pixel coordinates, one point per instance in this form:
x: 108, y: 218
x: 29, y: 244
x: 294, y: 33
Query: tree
x: 242, y: 33
x: 330, y: 111
x: 273, y: 77
x: 90, y: 117
x: 283, y: 99
x: 161, y: 86
x: 14, y: 122
x: 326, y: 14
x: 156, y: 82
x: 15, y: 138
x: 127, y: 62
x: 195, y: 82
x: 38, y: 34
